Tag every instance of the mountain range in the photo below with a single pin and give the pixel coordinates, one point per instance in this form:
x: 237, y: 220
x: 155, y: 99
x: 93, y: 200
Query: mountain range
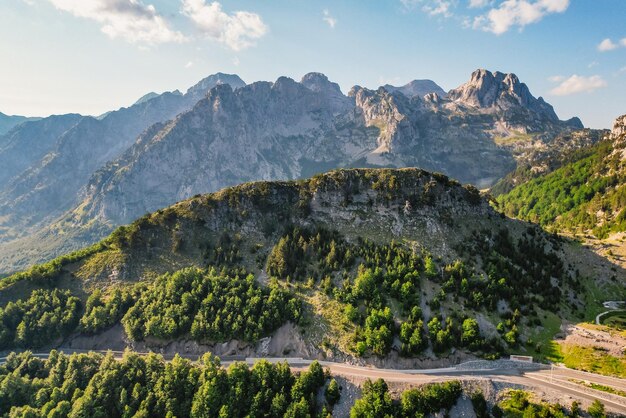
x: 89, y: 175
x: 8, y: 122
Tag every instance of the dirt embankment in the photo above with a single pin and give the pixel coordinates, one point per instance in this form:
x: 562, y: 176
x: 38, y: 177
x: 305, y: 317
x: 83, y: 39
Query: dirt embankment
x: 612, y: 342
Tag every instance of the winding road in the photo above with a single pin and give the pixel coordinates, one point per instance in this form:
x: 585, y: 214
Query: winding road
x: 542, y: 377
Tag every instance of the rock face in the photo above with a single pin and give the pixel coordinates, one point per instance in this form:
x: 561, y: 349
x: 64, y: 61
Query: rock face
x: 51, y: 182
x: 499, y: 90
x: 619, y: 127
x: 283, y: 130
x: 417, y: 88
x: 280, y: 130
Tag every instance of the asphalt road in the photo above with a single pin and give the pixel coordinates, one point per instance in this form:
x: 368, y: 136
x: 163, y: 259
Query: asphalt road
x: 543, y: 377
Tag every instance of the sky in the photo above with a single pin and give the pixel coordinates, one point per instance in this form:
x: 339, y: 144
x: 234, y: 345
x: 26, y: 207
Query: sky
x: 92, y: 56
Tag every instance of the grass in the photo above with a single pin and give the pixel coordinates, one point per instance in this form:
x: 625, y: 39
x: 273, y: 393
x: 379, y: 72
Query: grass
x: 593, y: 360
x: 516, y: 137
x: 541, y: 344
x: 327, y: 321
x: 604, y: 328
x: 594, y: 296
x: 601, y: 388
x: 615, y: 319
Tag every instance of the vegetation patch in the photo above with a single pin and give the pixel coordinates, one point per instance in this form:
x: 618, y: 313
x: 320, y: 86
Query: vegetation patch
x: 93, y: 385
x: 615, y: 319
x: 593, y: 360
x: 428, y: 399
x: 599, y: 387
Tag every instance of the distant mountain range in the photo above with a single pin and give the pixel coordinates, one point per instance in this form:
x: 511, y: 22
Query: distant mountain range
x: 9, y: 122
x: 90, y: 174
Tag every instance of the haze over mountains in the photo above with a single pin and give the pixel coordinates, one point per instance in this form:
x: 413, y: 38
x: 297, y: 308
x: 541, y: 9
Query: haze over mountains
x: 8, y: 122
x: 86, y: 175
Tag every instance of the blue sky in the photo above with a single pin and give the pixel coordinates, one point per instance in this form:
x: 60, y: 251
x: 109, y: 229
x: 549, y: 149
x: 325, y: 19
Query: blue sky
x: 91, y: 56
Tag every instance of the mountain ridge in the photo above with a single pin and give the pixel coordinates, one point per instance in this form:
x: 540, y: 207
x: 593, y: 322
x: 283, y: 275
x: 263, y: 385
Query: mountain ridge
x: 346, y: 244
x: 280, y: 130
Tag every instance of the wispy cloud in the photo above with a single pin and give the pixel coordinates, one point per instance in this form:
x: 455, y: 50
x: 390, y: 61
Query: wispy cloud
x: 130, y: 20
x: 432, y: 7
x: 238, y: 30
x: 477, y: 4
x: 498, y: 16
x: 517, y: 13
x: 578, y: 84
x: 189, y: 64
x: 607, y: 45
x: 331, y: 21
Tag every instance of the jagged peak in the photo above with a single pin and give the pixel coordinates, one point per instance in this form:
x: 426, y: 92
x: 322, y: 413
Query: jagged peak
x: 619, y: 127
x: 207, y: 83
x: 499, y: 90
x: 319, y: 82
x: 417, y: 88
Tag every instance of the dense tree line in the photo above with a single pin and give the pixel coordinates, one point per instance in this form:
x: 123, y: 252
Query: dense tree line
x: 211, y: 306
x: 377, y: 401
x: 102, y: 312
x: 39, y: 320
x: 205, y: 304
x: 97, y: 386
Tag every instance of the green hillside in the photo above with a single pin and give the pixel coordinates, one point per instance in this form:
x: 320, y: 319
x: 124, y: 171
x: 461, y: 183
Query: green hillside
x: 586, y: 195
x: 404, y: 265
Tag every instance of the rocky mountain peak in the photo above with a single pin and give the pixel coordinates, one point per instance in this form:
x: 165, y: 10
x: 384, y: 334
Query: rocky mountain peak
x: 201, y: 88
x: 146, y: 97
x: 487, y: 90
x: 417, y: 88
x: 319, y: 83
x: 619, y: 127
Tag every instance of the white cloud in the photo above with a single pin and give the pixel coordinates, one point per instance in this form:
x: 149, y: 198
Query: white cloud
x: 237, y: 31
x: 593, y: 64
x: 607, y: 45
x: 236, y: 61
x: 130, y: 20
x: 189, y: 64
x: 556, y: 78
x: 332, y: 22
x: 517, y: 13
x: 579, y: 84
x: 623, y: 42
x: 432, y: 7
x: 476, y: 4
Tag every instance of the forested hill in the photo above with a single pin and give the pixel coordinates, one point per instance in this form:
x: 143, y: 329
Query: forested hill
x: 400, y: 265
x: 587, y: 194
